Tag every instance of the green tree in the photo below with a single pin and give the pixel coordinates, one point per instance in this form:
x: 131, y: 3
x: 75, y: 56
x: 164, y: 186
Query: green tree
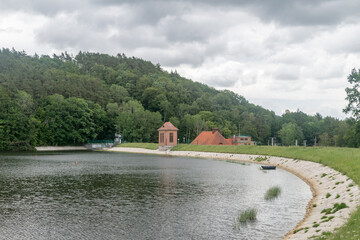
x: 352, y: 135
x: 324, y: 139
x: 289, y: 133
x: 353, y: 94
x: 118, y: 94
x: 137, y: 124
x: 66, y: 121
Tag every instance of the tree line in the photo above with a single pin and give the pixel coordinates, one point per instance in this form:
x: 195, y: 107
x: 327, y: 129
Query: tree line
x: 64, y: 99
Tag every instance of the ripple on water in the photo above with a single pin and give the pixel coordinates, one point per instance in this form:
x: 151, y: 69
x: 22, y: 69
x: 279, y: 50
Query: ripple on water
x: 132, y: 196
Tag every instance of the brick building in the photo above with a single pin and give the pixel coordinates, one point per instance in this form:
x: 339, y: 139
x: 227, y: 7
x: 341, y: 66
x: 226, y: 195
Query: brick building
x: 213, y: 137
x: 240, y: 140
x: 167, y: 135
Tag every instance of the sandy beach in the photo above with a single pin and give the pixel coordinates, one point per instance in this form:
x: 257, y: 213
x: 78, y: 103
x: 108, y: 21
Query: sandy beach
x: 62, y: 148
x: 328, y: 186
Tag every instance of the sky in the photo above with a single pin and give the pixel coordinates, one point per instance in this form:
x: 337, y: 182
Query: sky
x: 279, y: 54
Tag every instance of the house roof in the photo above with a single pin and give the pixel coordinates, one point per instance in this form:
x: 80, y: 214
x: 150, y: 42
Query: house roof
x: 167, y: 126
x: 210, y: 138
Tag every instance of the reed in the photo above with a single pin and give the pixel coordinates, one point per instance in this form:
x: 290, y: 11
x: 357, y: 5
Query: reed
x: 247, y: 215
x: 272, y: 193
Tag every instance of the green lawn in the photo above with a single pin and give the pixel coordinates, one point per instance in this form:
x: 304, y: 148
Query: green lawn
x: 344, y: 160
x: 151, y: 146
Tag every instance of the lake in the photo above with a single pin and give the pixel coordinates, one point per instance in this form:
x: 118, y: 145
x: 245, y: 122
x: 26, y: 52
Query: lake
x: 100, y: 195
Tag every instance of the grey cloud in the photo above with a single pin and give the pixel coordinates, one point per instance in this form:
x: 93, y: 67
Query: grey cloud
x: 180, y: 30
x: 47, y: 8
x: 286, y: 86
x: 173, y: 56
x: 295, y: 12
x: 221, y: 81
x: 64, y: 32
x: 287, y: 76
x: 150, y: 13
x: 291, y: 35
x: 322, y: 106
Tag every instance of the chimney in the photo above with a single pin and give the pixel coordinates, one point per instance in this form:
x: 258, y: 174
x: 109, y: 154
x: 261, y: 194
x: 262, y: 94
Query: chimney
x: 214, y: 130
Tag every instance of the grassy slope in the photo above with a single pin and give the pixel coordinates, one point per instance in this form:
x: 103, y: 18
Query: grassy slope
x: 344, y: 160
x: 151, y: 146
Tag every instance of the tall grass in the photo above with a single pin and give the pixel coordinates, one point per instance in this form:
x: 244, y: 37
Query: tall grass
x: 247, y: 215
x: 272, y: 193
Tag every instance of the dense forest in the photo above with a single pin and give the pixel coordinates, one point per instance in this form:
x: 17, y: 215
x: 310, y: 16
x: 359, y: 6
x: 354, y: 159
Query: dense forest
x: 62, y: 100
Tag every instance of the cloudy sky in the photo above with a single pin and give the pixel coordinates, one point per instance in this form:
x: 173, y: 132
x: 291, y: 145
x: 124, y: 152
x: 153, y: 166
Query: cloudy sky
x: 279, y: 54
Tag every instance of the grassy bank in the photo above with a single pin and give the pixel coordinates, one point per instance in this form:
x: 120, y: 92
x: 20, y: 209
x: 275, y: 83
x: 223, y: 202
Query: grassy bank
x: 151, y: 146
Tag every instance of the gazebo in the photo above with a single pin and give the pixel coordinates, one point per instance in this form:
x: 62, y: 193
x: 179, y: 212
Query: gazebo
x: 167, y: 135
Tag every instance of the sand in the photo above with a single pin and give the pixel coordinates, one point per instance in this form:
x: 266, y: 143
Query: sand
x: 321, y: 179
x: 62, y: 148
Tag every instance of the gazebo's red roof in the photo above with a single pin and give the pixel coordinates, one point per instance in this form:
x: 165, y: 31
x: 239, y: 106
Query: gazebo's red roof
x: 167, y: 126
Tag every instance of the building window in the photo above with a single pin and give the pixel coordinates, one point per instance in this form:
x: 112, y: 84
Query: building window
x: 161, y: 137
x: 171, y: 137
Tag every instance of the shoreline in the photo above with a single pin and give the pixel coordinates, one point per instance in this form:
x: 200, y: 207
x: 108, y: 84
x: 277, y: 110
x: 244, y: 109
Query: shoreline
x: 328, y: 187
x: 60, y: 148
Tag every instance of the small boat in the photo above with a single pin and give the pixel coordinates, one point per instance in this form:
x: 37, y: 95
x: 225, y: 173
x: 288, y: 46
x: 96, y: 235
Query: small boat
x: 268, y: 167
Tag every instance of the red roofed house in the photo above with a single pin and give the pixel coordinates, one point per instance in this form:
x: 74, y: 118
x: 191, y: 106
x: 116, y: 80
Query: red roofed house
x: 210, y: 138
x: 240, y: 140
x: 167, y: 135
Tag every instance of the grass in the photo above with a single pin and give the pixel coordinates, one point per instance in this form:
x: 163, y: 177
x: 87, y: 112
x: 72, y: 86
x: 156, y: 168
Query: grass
x: 247, y: 215
x: 328, y: 219
x: 260, y: 159
x: 151, y: 146
x: 344, y: 160
x: 272, y: 193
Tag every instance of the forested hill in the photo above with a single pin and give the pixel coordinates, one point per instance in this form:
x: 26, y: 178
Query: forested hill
x: 62, y: 100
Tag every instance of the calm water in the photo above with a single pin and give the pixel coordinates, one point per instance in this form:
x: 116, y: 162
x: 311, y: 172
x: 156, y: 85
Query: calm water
x: 90, y: 195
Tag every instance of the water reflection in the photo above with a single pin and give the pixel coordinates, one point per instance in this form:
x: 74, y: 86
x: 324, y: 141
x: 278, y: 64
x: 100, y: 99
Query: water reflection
x: 132, y: 196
